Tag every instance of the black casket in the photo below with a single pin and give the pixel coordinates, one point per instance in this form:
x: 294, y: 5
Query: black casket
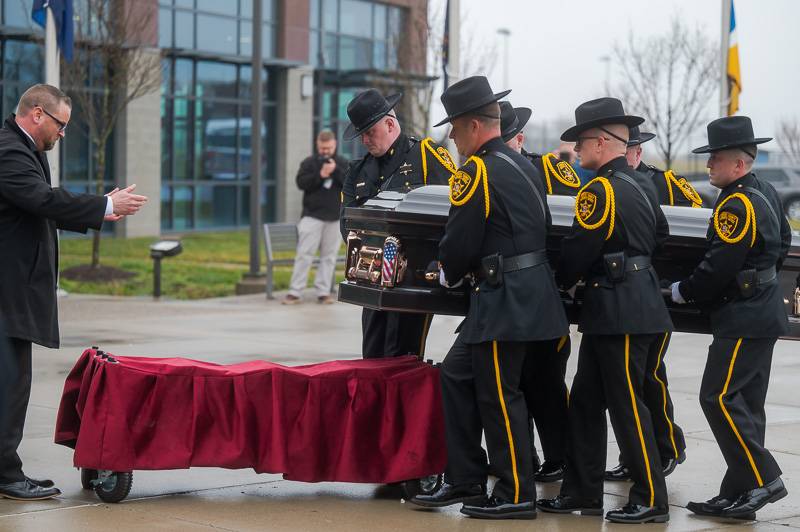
x: 394, y: 237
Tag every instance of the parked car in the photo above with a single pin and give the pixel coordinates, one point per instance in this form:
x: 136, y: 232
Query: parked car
x: 785, y: 179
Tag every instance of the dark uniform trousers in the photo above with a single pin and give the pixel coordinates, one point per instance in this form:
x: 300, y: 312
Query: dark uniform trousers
x: 611, y: 374
x: 16, y: 397
x: 732, y: 396
x: 669, y: 436
x: 546, y: 394
x: 389, y: 334
x: 480, y: 389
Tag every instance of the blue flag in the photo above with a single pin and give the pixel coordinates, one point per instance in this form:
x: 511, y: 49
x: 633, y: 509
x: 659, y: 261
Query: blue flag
x: 63, y: 15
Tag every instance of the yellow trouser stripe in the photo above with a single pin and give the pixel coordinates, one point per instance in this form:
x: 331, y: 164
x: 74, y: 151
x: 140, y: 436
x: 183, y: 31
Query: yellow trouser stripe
x: 664, y: 393
x: 508, y: 424
x: 561, y: 343
x: 426, y: 326
x: 636, y: 416
x: 728, y: 417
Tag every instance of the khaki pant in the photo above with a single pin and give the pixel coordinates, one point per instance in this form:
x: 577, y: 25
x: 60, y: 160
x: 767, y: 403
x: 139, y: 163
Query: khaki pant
x: 315, y: 235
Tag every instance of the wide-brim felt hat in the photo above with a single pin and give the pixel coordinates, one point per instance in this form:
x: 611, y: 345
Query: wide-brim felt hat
x: 596, y: 113
x: 468, y: 95
x: 730, y: 132
x: 512, y: 120
x: 637, y: 136
x: 366, y: 109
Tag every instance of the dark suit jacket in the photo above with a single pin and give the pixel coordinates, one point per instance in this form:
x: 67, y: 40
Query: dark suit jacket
x: 30, y: 213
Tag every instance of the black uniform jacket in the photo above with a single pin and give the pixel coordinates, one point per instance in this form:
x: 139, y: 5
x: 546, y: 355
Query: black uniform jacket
x: 408, y: 164
x: 743, y: 234
x: 497, y: 212
x: 672, y: 190
x: 612, y: 216
x: 559, y: 177
x: 30, y: 212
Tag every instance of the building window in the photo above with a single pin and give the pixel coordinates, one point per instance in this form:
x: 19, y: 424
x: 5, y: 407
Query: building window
x: 222, y: 27
x: 206, y: 132
x: 354, y: 34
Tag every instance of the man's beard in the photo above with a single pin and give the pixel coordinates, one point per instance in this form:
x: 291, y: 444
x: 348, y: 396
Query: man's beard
x: 49, y: 145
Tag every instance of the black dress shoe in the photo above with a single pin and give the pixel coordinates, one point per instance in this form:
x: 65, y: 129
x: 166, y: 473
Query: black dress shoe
x: 714, y: 506
x: 752, y: 501
x: 566, y: 504
x: 550, y: 472
x: 25, y: 490
x: 42, y: 483
x: 449, y: 494
x: 671, y: 463
x: 497, y: 508
x: 619, y: 473
x: 637, y: 513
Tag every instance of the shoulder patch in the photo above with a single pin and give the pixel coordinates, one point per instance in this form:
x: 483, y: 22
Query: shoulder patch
x: 463, y: 184
x: 732, y: 228
x: 586, y: 205
x: 440, y: 153
x: 561, y: 170
x: 685, y: 187
x: 567, y: 174
x: 445, y: 155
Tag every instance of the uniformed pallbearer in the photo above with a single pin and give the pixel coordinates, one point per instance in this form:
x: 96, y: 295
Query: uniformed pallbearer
x: 545, y: 388
x: 394, y: 162
x: 674, y: 191
x: 495, y: 234
x: 618, y: 224
x: 748, y: 240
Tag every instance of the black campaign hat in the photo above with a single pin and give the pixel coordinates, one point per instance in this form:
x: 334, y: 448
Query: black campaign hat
x: 596, y: 113
x: 730, y: 132
x: 512, y: 120
x: 366, y: 109
x: 467, y: 95
x: 637, y: 137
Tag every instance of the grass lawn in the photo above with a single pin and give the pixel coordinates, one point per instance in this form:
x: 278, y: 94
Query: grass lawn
x: 210, y: 266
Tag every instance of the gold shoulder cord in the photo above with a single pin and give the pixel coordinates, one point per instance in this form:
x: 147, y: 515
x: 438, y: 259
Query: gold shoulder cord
x: 547, y: 166
x: 685, y: 187
x: 608, y: 211
x: 750, y: 217
x: 480, y: 176
x: 425, y: 144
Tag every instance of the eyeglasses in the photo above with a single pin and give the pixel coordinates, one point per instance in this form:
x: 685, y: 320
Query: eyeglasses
x: 579, y: 140
x: 61, y: 125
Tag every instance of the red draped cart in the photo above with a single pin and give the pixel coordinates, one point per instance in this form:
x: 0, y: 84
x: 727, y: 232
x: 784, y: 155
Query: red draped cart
x: 372, y: 421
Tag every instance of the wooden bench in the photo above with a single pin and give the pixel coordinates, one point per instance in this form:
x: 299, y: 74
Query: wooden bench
x: 280, y: 238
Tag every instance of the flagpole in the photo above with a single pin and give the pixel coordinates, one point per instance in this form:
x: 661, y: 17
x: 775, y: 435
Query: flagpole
x: 52, y: 76
x: 725, y: 34
x: 453, y: 54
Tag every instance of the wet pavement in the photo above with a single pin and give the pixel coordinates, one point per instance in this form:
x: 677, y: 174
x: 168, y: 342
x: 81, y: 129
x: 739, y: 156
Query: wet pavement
x: 244, y: 328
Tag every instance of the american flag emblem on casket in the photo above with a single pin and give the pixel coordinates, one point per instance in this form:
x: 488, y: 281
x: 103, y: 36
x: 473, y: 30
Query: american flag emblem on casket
x: 391, y: 249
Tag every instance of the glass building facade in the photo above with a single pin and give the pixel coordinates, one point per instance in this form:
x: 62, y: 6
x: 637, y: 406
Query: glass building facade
x: 205, y: 97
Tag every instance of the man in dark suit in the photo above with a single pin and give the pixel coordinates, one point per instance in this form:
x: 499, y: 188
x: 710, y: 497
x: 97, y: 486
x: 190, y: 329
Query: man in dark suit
x: 31, y: 211
x: 495, y: 235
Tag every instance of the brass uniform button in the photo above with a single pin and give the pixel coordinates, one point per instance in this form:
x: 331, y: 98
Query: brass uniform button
x: 596, y: 285
x: 381, y: 178
x: 477, y: 288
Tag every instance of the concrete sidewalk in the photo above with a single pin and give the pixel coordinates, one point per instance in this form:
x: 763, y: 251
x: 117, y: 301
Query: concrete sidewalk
x: 243, y: 328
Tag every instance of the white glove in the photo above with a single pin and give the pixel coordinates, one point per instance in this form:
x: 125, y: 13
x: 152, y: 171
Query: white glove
x: 443, y: 281
x: 676, y: 294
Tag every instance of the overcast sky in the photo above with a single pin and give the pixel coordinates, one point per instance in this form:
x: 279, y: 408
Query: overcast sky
x: 556, y: 49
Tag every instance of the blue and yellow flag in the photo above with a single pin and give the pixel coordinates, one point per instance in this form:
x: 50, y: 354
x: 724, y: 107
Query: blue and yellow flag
x: 734, y: 73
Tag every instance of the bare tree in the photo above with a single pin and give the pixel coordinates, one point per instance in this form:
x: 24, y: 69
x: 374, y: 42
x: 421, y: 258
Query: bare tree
x: 789, y: 138
x: 114, y: 65
x: 670, y: 80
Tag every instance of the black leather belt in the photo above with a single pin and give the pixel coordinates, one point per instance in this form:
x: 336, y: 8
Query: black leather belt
x: 526, y: 260
x: 639, y: 262
x: 765, y: 276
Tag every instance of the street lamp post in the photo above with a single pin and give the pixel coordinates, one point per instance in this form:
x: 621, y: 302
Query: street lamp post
x: 506, y: 33
x: 255, y: 147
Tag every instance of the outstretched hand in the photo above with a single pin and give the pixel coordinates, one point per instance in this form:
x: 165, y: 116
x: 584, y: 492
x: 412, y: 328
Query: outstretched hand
x: 126, y: 202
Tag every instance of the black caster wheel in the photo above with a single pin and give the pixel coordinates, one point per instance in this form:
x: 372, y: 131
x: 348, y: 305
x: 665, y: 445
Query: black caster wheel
x: 422, y: 486
x: 87, y: 478
x: 113, y: 486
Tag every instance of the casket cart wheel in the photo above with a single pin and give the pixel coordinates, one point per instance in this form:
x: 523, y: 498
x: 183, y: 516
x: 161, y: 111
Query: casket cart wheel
x: 113, y: 486
x: 88, y: 476
x: 422, y: 486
